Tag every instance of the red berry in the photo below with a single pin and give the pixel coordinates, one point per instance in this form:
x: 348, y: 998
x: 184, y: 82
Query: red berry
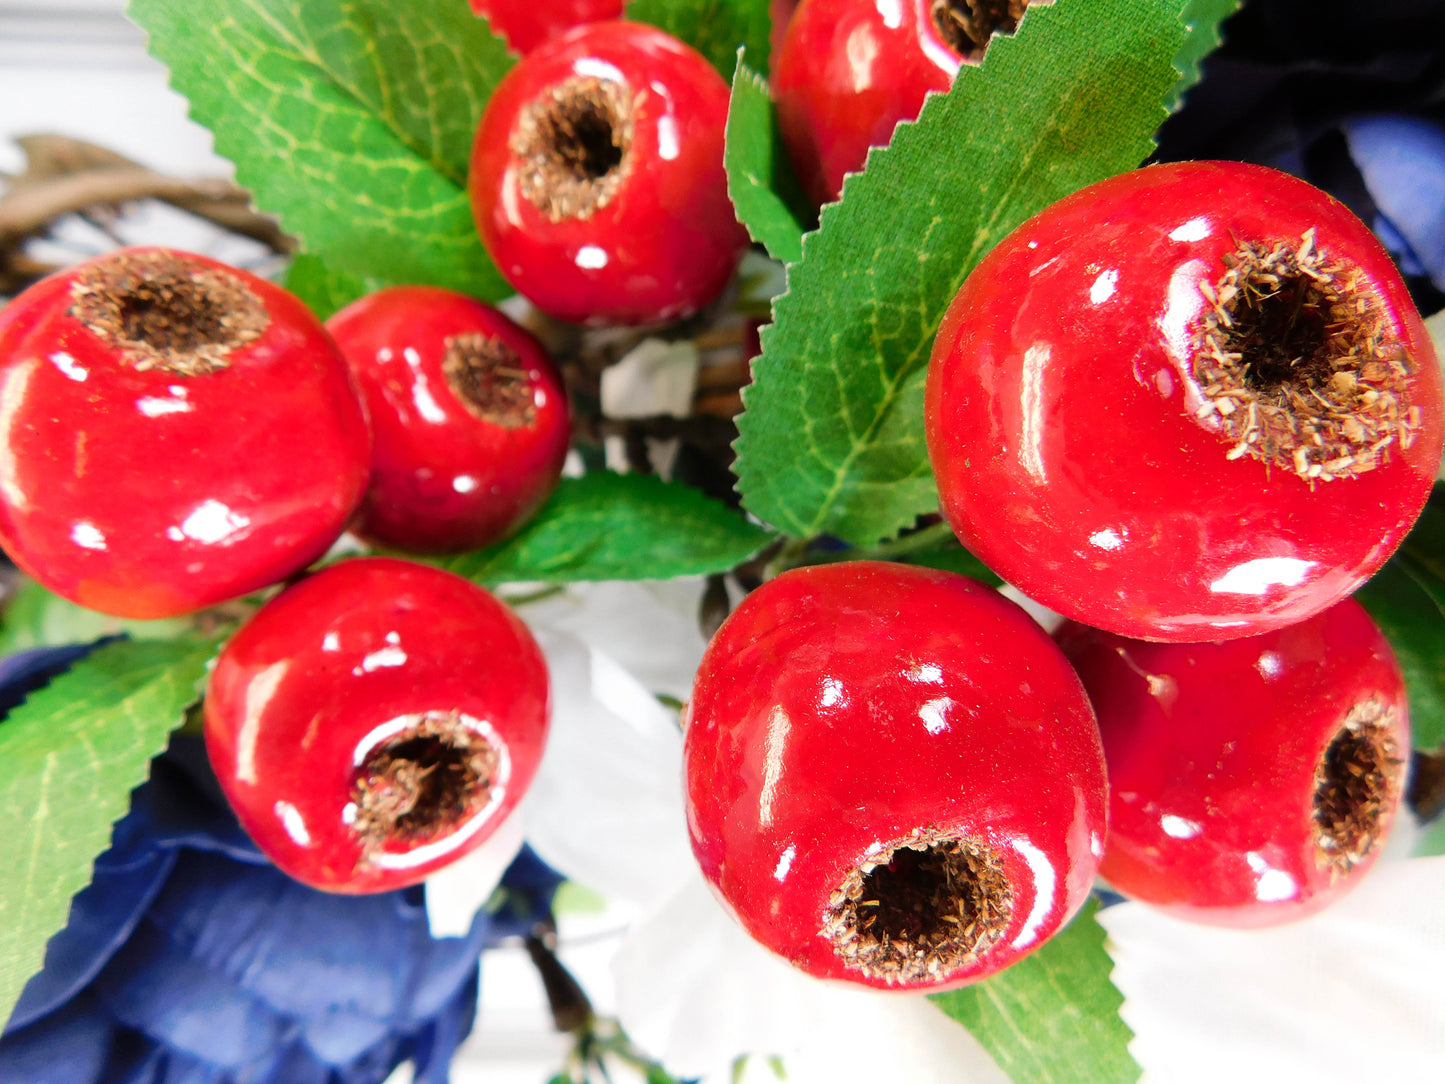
x: 1191, y: 402
x: 850, y: 70
x: 1253, y: 781
x: 174, y: 433
x: 893, y: 776
x: 597, y: 177
x: 469, y: 415
x: 375, y: 722
x: 526, y: 24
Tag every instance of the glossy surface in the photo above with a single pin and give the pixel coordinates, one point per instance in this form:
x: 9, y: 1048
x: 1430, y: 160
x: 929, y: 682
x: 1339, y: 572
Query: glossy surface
x: 846, y: 704
x: 1212, y: 752
x: 149, y: 493
x: 1061, y: 416
x: 526, y: 24
x: 445, y: 478
x: 667, y: 242
x: 307, y: 683
x: 847, y: 73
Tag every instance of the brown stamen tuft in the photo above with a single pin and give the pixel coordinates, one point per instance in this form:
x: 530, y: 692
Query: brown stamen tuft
x: 489, y: 379
x: 967, y: 25
x: 575, y: 144
x: 422, y: 783
x: 164, y: 310
x: 929, y: 904
x: 1299, y: 365
x: 1357, y: 786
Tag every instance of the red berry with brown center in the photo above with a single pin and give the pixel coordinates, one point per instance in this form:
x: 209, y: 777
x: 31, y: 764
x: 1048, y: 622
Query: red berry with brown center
x: 893, y: 776
x: 849, y: 70
x: 1187, y: 403
x: 597, y: 178
x: 469, y: 414
x: 526, y: 24
x: 174, y: 433
x: 375, y: 722
x: 1252, y: 781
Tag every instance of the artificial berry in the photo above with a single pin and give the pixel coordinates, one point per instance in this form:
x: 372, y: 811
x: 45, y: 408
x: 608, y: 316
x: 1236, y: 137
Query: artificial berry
x: 526, y: 24
x: 597, y: 177
x: 469, y: 415
x: 1251, y: 782
x: 1191, y: 402
x: 850, y: 70
x: 375, y: 722
x: 175, y: 433
x: 893, y: 776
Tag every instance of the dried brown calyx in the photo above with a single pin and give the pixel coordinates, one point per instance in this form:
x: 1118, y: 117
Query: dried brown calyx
x: 927, y: 905
x: 164, y: 310
x: 967, y: 25
x: 1357, y: 787
x: 575, y: 145
x: 423, y: 783
x: 1299, y: 363
x: 489, y: 379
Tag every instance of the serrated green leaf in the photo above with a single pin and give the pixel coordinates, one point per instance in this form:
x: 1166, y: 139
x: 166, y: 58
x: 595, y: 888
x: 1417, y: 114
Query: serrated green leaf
x: 69, y: 758
x: 1202, y: 17
x: 325, y: 290
x: 832, y: 438
x: 954, y: 558
x: 715, y: 28
x: 36, y: 618
x: 618, y: 527
x: 760, y: 178
x: 350, y: 119
x: 1053, y: 1017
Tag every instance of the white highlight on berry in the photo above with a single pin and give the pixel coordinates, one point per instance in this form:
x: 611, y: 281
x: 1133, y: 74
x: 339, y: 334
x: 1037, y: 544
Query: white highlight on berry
x: 1177, y: 827
x: 785, y: 862
x: 209, y: 522
x: 774, y: 745
x: 1258, y: 576
x: 69, y: 366
x: 1103, y: 287
x: 1196, y: 229
x: 1046, y: 884
x: 87, y: 536
x: 293, y: 822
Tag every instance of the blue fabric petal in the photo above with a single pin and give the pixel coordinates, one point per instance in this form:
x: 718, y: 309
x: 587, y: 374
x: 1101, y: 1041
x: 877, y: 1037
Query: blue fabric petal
x: 72, y: 1044
x: 1403, y: 162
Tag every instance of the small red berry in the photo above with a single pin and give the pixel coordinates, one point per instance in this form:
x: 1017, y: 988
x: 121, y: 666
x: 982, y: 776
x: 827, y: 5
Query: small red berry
x: 1191, y: 402
x: 1253, y: 781
x: 597, y: 177
x: 850, y: 70
x: 526, y: 24
x: 173, y: 433
x: 375, y: 722
x: 893, y: 776
x: 469, y: 415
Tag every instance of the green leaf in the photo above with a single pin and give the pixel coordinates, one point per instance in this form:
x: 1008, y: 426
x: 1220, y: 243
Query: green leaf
x: 832, y: 438
x: 760, y: 179
x: 350, y: 119
x: 715, y: 28
x: 618, y: 527
x: 1202, y: 17
x: 1431, y: 841
x: 324, y: 289
x: 36, y: 618
x: 954, y: 558
x: 69, y: 758
x: 1053, y: 1017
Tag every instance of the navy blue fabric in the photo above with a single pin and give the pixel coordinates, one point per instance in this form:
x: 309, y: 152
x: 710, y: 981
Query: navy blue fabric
x: 191, y: 960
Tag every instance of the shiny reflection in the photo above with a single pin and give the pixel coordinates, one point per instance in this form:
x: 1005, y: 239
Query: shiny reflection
x: 1103, y: 287
x: 1031, y: 438
x: 1183, y: 306
x: 12, y: 398
x: 1107, y: 539
x: 1258, y: 576
x: 421, y: 395
x: 785, y: 862
x: 891, y: 12
x: 833, y: 694
x: 861, y: 49
x: 259, y: 692
x: 210, y: 522
x: 87, y: 536
x: 774, y: 745
x: 1270, y: 885
x: 597, y: 67
x: 1269, y: 665
x: 1046, y: 885
x: 591, y: 258
x: 1176, y: 827
x: 69, y: 366
x: 926, y: 673
x: 668, y: 144
x: 1196, y: 229
x: 293, y: 822
x: 935, y: 714
x: 464, y: 483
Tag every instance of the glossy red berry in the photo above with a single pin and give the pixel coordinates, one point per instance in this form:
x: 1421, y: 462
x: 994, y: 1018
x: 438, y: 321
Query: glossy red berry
x: 469, y: 415
x: 893, y: 776
x: 375, y: 722
x: 597, y: 177
x: 526, y: 24
x: 1252, y: 781
x: 1191, y: 402
x: 174, y: 433
x: 850, y: 70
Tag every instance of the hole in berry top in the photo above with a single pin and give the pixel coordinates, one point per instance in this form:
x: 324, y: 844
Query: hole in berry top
x: 1357, y: 786
x: 966, y: 25
x: 1298, y: 365
x: 164, y: 310
x: 423, y: 783
x: 490, y: 380
x: 928, y: 906
x: 574, y: 143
